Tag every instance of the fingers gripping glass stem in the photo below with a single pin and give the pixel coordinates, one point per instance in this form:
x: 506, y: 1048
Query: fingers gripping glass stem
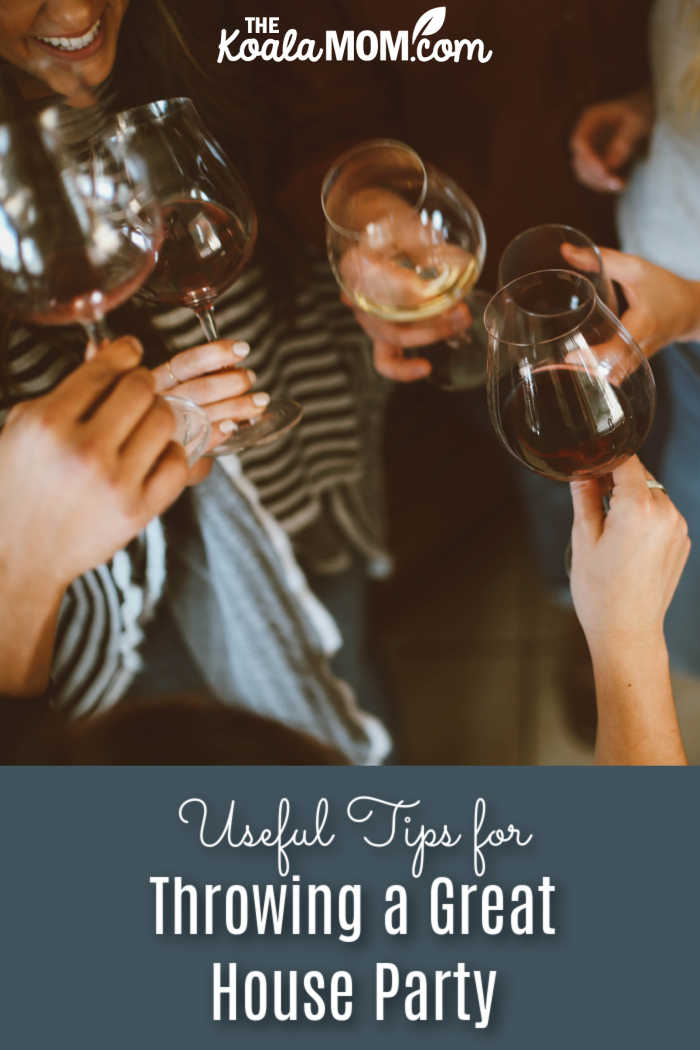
x: 210, y: 229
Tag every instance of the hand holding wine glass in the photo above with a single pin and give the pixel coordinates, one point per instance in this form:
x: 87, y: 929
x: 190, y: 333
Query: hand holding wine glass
x: 406, y: 246
x: 375, y: 268
x: 662, y: 306
x: 210, y: 229
x: 211, y: 375
x: 555, y: 246
x: 570, y: 393
x: 626, y: 565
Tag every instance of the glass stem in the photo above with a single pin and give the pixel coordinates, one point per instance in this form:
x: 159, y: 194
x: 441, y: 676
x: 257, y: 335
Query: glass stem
x: 205, y: 315
x: 97, y: 332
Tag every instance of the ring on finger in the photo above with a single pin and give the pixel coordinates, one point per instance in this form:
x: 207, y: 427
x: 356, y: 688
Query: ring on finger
x: 655, y: 485
x: 175, y: 380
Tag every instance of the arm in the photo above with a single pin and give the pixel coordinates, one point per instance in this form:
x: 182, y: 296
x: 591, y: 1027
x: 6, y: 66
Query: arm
x: 83, y: 469
x: 625, y: 569
x: 30, y: 616
x: 637, y: 723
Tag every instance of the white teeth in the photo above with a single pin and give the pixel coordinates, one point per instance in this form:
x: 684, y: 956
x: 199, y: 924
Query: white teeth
x: 73, y: 43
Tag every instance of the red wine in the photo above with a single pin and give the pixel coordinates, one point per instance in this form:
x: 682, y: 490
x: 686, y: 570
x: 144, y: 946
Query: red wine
x: 203, y: 251
x: 565, y: 423
x: 82, y: 291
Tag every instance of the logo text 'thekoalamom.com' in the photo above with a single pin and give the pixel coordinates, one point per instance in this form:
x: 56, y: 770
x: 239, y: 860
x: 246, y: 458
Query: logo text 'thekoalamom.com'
x: 266, y: 42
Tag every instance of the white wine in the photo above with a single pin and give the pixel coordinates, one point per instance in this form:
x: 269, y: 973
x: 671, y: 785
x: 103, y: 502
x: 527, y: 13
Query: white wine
x: 428, y: 291
x: 403, y: 267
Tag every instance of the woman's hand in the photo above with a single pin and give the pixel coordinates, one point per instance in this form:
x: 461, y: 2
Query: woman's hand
x: 83, y: 469
x: 662, y: 307
x: 626, y: 564
x: 390, y: 341
x: 397, y: 261
x: 210, y: 376
x: 86, y: 466
x: 607, y: 136
x: 625, y: 569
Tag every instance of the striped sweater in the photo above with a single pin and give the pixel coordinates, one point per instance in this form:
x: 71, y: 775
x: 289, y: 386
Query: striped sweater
x: 320, y: 479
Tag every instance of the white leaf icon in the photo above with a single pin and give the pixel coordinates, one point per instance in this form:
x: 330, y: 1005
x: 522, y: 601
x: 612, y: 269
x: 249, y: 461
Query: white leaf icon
x: 429, y: 23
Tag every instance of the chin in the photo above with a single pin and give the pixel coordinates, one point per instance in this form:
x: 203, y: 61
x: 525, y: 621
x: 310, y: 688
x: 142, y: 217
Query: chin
x: 96, y: 70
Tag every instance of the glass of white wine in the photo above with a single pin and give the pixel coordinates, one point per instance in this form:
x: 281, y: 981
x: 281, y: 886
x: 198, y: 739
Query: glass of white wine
x: 407, y: 244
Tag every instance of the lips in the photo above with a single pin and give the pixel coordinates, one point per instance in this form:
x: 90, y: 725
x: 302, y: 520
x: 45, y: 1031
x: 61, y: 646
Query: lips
x: 74, y: 46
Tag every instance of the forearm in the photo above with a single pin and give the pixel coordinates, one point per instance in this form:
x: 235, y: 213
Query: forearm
x: 637, y: 721
x: 29, y: 617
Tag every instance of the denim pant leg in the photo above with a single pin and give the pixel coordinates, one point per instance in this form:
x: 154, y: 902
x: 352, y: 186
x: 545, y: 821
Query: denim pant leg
x: 346, y: 596
x: 549, y: 516
x: 673, y: 455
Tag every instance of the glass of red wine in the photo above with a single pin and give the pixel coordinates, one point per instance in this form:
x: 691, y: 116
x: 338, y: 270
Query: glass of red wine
x: 77, y: 238
x: 540, y: 248
x: 570, y: 393
x: 210, y: 230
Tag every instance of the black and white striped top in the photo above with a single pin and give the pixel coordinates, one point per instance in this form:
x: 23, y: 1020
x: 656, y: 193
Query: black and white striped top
x: 323, y: 471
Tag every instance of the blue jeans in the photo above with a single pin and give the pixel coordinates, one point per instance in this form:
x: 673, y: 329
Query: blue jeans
x: 672, y: 454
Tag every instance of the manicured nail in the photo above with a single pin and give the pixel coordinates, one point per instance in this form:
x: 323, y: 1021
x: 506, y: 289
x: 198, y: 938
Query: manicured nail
x: 227, y: 426
x: 240, y: 349
x: 251, y: 375
x: 261, y: 400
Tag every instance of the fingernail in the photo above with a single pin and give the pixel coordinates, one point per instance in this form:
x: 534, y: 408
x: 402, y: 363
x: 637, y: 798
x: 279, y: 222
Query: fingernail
x: 240, y: 349
x: 90, y: 351
x: 227, y: 426
x: 261, y: 400
x: 251, y: 375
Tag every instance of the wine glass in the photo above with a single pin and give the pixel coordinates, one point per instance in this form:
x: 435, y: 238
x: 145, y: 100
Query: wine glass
x: 405, y: 243
x: 570, y: 393
x: 209, y: 234
x: 77, y: 239
x: 540, y: 248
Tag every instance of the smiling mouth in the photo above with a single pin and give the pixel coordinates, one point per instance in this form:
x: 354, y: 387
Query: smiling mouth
x: 70, y: 44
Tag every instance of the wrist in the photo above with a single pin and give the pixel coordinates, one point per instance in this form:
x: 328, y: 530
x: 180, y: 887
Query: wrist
x: 691, y: 324
x: 637, y: 722
x: 627, y: 649
x: 29, y: 606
